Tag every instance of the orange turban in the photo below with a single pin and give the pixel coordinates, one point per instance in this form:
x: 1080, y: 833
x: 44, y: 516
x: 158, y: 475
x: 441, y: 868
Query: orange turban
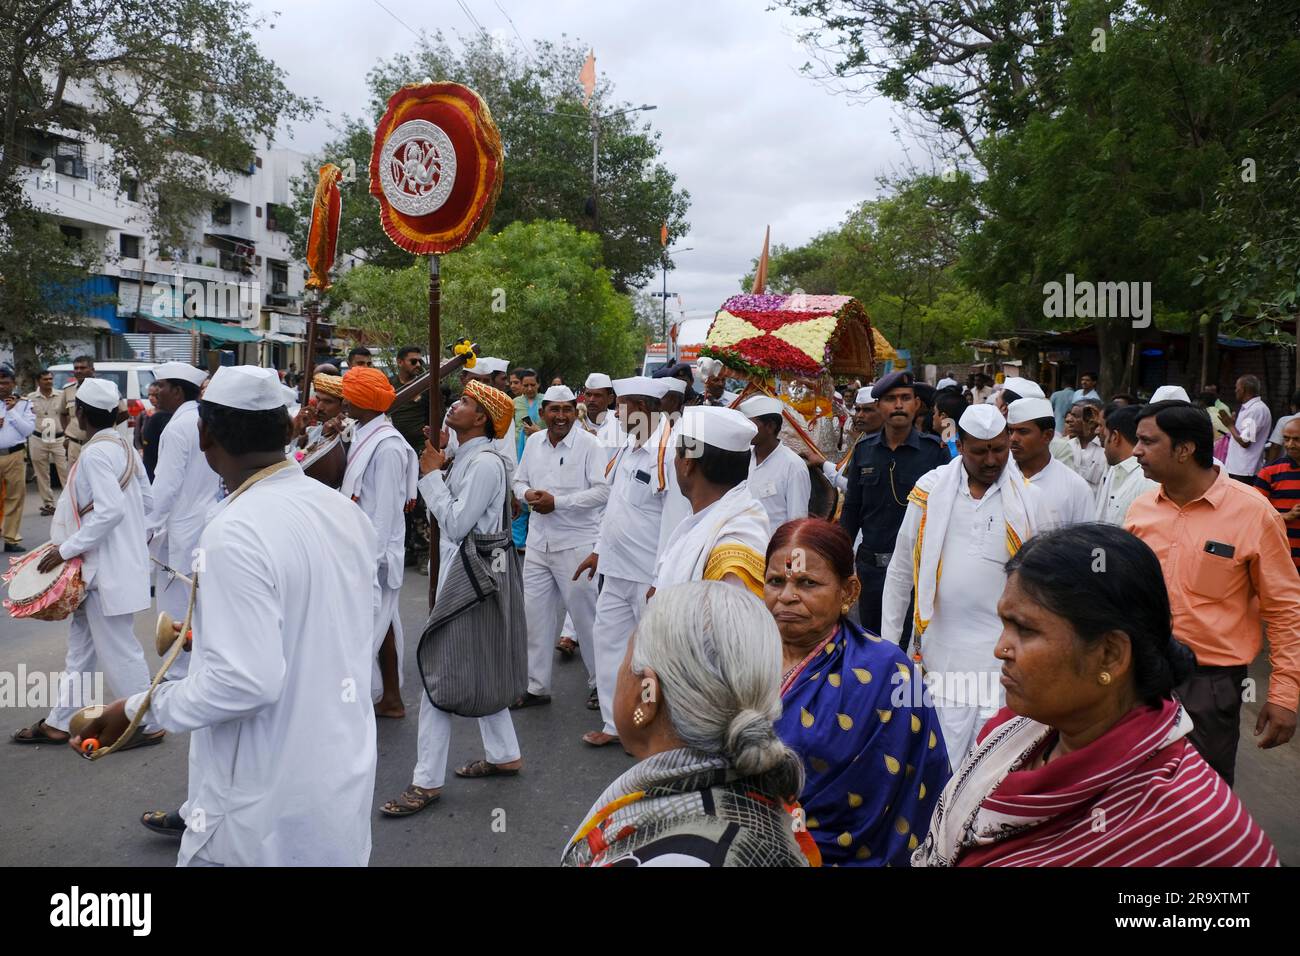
x: 368, y: 388
x: 497, y: 403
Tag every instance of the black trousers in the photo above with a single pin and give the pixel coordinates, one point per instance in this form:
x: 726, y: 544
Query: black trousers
x: 1212, y: 696
x: 870, y: 603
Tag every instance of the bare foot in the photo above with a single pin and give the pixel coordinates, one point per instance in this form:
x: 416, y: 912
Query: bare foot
x: 598, y: 738
x: 390, y: 708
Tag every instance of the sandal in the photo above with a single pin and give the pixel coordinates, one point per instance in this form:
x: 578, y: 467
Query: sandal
x: 531, y: 700
x: 566, y: 646
x: 593, y: 700
x: 598, y: 738
x: 161, y: 821
x: 143, y: 740
x: 481, y: 768
x: 36, y: 734
x: 411, y: 800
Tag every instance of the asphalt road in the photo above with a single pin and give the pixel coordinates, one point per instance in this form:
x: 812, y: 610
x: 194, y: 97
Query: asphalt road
x: 57, y: 809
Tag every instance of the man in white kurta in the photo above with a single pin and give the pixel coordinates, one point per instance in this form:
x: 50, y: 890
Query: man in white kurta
x: 601, y: 417
x: 725, y: 537
x: 380, y: 477
x: 778, y: 477
x: 1066, y: 498
x: 971, y: 515
x: 1125, y: 481
x: 184, y: 489
x: 1086, y: 455
x: 562, y: 478
x: 282, y: 732
x: 110, y: 540
x: 628, y: 545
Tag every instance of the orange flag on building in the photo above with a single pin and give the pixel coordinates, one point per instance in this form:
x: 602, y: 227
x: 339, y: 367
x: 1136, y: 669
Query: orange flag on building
x: 760, y: 276
x: 588, y: 78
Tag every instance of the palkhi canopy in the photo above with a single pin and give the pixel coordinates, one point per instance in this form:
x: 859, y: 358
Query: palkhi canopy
x: 805, y: 336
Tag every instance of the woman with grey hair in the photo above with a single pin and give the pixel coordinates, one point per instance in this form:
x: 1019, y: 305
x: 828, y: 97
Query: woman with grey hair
x: 697, y: 693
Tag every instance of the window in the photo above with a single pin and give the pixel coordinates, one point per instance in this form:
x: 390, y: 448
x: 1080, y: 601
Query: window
x: 129, y: 246
x: 221, y: 213
x: 277, y: 217
x: 130, y: 189
x: 279, y: 274
x: 72, y: 233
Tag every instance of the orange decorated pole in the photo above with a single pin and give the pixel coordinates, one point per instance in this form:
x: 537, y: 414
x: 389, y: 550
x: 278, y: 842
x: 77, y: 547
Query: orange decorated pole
x: 322, y: 240
x: 436, y: 170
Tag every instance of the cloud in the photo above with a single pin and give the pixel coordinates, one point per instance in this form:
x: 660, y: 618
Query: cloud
x: 753, y: 140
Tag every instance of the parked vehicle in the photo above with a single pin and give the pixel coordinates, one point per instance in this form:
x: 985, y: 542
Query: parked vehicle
x: 132, y: 380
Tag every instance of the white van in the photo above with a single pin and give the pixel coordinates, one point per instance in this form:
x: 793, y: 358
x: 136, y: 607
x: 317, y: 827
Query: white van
x: 132, y: 380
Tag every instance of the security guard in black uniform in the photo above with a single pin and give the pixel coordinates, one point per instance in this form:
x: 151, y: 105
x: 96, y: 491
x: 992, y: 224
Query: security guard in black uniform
x: 881, y: 474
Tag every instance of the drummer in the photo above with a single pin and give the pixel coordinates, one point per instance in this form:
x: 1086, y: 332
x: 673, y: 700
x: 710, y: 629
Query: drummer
x: 107, y: 485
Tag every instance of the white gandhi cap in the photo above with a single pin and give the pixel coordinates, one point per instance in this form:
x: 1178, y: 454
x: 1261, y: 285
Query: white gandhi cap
x: 674, y: 384
x: 99, y: 393
x: 598, y: 380
x: 181, y: 370
x: 559, y: 393
x: 489, y: 366
x: 246, y: 387
x: 1024, y: 387
x: 723, y: 428
x: 1170, y: 393
x: 864, y: 397
x: 983, y: 422
x: 757, y: 405
x: 1029, y: 409
x: 641, y: 385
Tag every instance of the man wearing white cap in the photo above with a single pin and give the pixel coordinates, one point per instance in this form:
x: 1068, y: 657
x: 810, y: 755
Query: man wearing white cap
x: 627, y: 548
x: 600, y: 418
x: 562, y: 478
x: 1170, y: 393
x: 184, y: 488
x: 778, y: 478
x: 101, y: 520
x: 664, y: 441
x: 867, y: 421
x: 963, y: 521
x: 1066, y: 498
x: 725, y: 537
x: 1014, y: 389
x: 282, y: 732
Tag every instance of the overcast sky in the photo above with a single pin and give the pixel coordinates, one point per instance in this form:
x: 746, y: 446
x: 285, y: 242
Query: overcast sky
x: 753, y: 140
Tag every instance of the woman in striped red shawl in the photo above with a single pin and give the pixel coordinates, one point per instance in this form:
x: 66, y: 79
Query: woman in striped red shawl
x: 1089, y: 763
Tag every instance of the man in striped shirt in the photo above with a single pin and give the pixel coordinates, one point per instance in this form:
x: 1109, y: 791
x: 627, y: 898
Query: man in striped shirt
x: 1280, y: 482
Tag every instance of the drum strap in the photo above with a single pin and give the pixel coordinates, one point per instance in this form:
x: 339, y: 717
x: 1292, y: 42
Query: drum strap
x: 107, y: 435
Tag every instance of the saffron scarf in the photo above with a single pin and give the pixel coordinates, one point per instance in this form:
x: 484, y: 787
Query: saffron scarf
x: 1138, y: 795
x: 871, y: 746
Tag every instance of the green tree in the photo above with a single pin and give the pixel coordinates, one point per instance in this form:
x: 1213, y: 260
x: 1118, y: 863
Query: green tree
x: 535, y: 293
x: 536, y: 101
x: 176, y: 89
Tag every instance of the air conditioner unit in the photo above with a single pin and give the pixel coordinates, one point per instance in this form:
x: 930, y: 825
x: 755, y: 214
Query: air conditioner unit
x: 279, y: 288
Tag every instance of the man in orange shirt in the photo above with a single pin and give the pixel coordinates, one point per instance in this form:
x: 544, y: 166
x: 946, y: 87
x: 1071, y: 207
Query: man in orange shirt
x: 1228, y: 568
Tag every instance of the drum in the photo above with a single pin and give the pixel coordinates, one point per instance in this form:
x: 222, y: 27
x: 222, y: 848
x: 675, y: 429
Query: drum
x: 45, y: 596
x: 325, y: 460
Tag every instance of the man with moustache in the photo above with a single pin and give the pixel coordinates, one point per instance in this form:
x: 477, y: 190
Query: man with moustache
x: 884, y: 468
x: 1066, y: 498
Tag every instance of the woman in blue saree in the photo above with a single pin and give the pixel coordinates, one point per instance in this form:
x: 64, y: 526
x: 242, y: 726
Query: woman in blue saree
x: 853, y: 707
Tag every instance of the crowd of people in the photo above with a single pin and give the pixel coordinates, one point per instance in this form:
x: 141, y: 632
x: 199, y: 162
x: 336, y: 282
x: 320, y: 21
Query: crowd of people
x: 1020, y: 615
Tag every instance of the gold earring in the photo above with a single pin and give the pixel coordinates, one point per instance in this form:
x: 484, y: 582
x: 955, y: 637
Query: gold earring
x: 638, y: 717
x: 844, y: 609
x: 1104, y: 677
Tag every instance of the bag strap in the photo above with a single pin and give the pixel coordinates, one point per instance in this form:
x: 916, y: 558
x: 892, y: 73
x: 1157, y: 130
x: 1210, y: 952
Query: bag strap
x: 127, y: 475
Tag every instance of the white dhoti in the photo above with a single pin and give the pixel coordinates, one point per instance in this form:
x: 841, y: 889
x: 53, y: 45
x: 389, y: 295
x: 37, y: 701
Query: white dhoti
x: 961, y: 724
x: 549, y: 591
x: 389, y: 614
x: 500, y: 745
x: 99, y: 642
x: 618, y: 609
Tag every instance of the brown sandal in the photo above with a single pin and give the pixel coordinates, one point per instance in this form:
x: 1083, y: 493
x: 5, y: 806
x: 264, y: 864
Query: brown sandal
x: 566, y: 646
x: 36, y: 734
x: 481, y: 768
x: 411, y: 800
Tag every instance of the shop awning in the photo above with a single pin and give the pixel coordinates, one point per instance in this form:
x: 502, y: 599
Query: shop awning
x: 217, y: 331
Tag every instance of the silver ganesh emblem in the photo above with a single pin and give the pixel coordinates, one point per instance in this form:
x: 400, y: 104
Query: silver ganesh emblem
x: 417, y: 168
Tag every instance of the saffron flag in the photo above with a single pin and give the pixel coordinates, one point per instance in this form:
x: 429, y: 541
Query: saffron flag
x: 663, y: 235
x: 588, y: 78
x: 760, y: 276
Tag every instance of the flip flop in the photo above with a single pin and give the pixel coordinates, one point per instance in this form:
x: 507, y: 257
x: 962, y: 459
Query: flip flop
x: 481, y: 768
x: 162, y: 821
x: 143, y: 740
x: 531, y: 700
x: 598, y: 738
x: 410, y: 801
x: 36, y: 735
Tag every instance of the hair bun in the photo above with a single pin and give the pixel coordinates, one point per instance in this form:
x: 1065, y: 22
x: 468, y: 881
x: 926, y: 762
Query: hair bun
x: 752, y: 743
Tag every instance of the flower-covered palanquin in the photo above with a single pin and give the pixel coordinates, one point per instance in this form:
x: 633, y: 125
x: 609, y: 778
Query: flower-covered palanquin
x: 795, y: 347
